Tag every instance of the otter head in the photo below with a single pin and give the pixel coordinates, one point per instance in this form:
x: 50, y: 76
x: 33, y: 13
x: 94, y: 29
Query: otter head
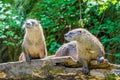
x: 76, y: 34
x: 68, y: 49
x: 72, y: 50
x: 72, y: 45
x: 31, y: 24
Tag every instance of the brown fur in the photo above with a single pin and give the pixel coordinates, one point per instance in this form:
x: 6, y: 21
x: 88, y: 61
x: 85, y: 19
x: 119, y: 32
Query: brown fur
x: 34, y: 42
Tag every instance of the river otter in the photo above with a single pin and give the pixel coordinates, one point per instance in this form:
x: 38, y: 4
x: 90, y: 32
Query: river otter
x: 67, y: 49
x: 89, y: 47
x: 33, y: 45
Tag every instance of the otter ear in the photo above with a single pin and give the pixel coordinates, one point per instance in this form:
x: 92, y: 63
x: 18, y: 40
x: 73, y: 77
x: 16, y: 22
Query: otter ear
x: 32, y: 22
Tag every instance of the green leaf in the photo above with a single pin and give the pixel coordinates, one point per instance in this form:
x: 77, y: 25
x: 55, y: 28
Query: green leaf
x: 10, y: 33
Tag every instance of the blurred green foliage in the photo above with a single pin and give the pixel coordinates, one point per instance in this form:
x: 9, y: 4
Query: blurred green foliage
x: 57, y: 17
x: 10, y: 32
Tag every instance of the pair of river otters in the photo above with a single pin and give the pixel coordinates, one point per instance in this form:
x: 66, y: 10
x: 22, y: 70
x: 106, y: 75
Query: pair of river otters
x: 82, y: 45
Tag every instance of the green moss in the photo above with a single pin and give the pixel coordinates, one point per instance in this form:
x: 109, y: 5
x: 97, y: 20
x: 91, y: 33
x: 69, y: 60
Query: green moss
x: 56, y: 72
x: 27, y: 77
x: 112, y: 77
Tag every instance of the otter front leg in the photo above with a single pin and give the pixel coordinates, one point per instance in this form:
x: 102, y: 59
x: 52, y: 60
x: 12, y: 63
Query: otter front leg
x: 27, y: 56
x: 85, y: 68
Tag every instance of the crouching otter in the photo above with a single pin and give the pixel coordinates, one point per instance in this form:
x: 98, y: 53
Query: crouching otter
x: 67, y: 49
x: 33, y: 45
x: 89, y: 47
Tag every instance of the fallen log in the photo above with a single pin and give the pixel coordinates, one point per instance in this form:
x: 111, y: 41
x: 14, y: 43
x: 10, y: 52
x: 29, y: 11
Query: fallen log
x: 20, y: 69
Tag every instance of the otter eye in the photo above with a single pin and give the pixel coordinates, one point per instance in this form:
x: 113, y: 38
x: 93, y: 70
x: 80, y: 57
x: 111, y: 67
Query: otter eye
x: 70, y: 33
x: 79, y: 31
x: 32, y: 22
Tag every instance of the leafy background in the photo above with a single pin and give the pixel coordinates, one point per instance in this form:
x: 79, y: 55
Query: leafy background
x: 100, y: 17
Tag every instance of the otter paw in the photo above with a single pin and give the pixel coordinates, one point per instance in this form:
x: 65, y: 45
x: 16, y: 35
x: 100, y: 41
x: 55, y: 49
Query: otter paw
x: 100, y: 59
x: 27, y: 58
x: 85, y: 70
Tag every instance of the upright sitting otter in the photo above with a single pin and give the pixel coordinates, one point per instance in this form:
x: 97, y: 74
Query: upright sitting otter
x: 89, y: 47
x: 33, y: 45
